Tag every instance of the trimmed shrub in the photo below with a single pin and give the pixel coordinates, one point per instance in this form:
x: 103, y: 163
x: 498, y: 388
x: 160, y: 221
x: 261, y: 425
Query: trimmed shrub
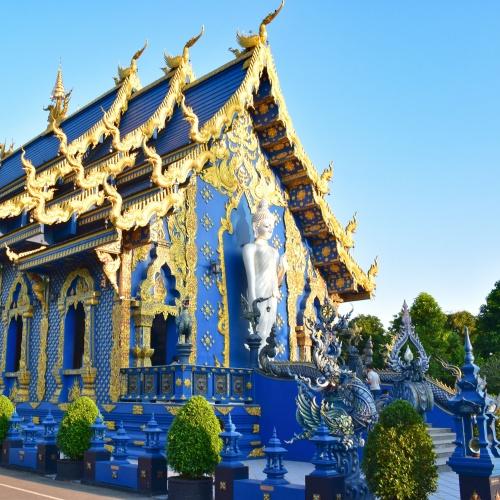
x: 399, y: 457
x: 193, y: 444
x: 6, y: 411
x: 73, y: 437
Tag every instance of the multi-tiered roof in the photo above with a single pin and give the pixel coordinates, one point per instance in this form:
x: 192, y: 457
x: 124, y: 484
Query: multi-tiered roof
x: 127, y: 156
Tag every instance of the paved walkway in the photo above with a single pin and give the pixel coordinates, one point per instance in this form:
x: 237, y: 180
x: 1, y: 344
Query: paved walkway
x: 18, y: 485
x: 447, y: 483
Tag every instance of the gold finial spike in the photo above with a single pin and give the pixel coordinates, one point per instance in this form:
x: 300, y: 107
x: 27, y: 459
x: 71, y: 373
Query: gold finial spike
x: 373, y: 271
x: 249, y: 41
x: 60, y: 102
x: 352, y: 225
x: 124, y: 73
x: 173, y: 62
x: 58, y: 92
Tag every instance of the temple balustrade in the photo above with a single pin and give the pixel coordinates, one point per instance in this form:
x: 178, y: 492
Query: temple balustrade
x: 178, y: 382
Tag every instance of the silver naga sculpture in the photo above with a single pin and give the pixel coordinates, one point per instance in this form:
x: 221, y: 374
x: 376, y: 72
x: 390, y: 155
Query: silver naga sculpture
x: 346, y: 405
x: 410, y: 382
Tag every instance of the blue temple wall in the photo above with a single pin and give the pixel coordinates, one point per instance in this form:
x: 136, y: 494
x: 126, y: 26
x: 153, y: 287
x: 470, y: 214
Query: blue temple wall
x: 210, y: 209
x: 277, y: 401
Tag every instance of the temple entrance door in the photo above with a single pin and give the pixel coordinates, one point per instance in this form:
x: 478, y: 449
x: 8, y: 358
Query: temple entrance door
x: 14, y: 342
x: 159, y: 341
x: 74, y: 333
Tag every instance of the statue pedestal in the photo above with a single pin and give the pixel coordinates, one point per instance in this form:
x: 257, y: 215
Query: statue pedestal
x: 254, y: 342
x: 46, y: 458
x: 485, y: 488
x: 224, y: 480
x: 90, y: 458
x: 183, y: 352
x: 324, y: 487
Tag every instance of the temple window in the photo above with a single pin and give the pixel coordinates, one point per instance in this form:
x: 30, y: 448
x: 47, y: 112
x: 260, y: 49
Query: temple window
x: 159, y: 341
x: 14, y: 343
x: 74, y: 334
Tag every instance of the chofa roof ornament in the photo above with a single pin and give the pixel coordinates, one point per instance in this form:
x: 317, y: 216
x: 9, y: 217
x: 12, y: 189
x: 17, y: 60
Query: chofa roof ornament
x: 407, y: 336
x: 251, y: 40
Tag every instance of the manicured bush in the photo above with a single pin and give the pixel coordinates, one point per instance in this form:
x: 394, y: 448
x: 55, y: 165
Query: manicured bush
x: 75, y: 430
x: 6, y: 411
x: 193, y: 444
x: 399, y: 457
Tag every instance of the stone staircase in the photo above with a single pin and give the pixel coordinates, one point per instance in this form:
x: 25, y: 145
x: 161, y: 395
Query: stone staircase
x: 443, y: 444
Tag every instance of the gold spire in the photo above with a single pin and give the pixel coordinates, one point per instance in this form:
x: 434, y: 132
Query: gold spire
x: 60, y: 102
x: 58, y: 91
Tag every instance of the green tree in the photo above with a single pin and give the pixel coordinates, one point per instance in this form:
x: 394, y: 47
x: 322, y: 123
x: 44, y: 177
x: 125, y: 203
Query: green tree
x: 490, y: 370
x: 488, y: 325
x: 370, y: 326
x: 399, y: 457
x: 457, y: 321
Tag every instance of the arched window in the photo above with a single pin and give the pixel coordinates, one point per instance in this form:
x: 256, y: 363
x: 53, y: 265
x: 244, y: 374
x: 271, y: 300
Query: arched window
x: 74, y: 334
x: 75, y: 357
x: 14, y: 343
x: 14, y: 361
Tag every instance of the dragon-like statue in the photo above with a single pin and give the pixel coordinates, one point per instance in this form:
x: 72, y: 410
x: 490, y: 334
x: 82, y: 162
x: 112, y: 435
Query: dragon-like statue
x: 329, y: 391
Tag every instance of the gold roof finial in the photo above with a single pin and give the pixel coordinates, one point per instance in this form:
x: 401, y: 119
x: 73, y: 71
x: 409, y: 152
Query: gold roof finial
x: 373, y: 271
x: 249, y: 41
x: 173, y: 62
x: 124, y: 73
x: 58, y: 91
x: 6, y: 150
x: 60, y: 102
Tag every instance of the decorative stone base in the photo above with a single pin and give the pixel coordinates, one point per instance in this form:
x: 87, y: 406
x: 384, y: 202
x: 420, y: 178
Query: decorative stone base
x: 484, y: 488
x: 69, y: 470
x: 185, y: 489
x: 46, y: 459
x: 224, y: 479
x: 324, y: 487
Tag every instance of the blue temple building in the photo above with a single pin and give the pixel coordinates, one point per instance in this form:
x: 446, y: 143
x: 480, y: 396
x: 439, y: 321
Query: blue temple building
x: 139, y: 202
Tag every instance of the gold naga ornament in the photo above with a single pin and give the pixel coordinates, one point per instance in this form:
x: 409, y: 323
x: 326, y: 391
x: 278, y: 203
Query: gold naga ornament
x: 60, y: 102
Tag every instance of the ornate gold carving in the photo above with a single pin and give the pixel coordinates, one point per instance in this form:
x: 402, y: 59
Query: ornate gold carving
x: 124, y: 326
x: 14, y: 257
x: 250, y: 41
x: 137, y: 410
x: 40, y: 288
x: 224, y: 410
x: 173, y: 410
x: 318, y: 291
x: 108, y: 408
x: 253, y: 410
x: 295, y: 277
x: 257, y: 453
x: 173, y: 62
x: 75, y: 392
x: 5, y: 150
x: 115, y: 362
x: 111, y: 262
x: 124, y: 73
x: 60, y: 102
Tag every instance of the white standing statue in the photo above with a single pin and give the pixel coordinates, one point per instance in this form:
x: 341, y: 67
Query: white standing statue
x: 265, y: 269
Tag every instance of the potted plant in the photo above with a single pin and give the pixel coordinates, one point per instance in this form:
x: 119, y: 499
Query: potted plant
x: 6, y: 411
x: 193, y: 448
x: 73, y: 437
x: 399, y: 458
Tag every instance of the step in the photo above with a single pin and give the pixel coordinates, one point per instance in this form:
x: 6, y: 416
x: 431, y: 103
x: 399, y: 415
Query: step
x: 443, y: 435
x: 444, y: 451
x: 439, y: 430
x: 443, y: 441
x: 441, y: 464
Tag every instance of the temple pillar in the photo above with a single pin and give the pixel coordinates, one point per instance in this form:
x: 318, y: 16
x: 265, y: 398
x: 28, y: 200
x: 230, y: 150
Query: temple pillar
x: 142, y: 350
x: 304, y: 343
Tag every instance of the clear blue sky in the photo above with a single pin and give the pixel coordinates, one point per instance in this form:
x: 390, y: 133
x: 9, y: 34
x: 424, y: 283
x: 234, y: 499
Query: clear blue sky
x: 403, y: 96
